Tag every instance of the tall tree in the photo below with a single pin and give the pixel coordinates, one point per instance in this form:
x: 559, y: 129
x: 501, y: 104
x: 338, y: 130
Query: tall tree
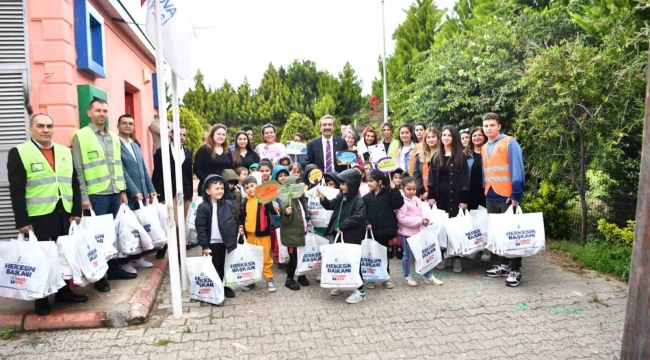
x: 272, y: 97
x: 326, y: 105
x: 350, y: 99
x: 198, y: 99
x: 245, y: 112
x: 302, y: 80
x: 298, y: 123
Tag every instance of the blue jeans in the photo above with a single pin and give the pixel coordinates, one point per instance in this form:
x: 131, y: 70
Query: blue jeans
x: 106, y: 204
x: 406, y: 258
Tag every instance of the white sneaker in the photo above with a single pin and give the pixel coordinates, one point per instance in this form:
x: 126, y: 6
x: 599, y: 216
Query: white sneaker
x: 486, y: 256
x: 356, y: 297
x: 458, y: 266
x: 270, y: 286
x: 443, y: 264
x: 128, y: 268
x: 409, y: 280
x: 141, y: 263
x: 318, y: 278
x: 433, y: 280
x: 336, y: 292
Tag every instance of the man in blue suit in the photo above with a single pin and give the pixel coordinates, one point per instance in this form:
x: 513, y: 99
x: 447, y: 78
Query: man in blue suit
x: 321, y: 151
x: 138, y: 183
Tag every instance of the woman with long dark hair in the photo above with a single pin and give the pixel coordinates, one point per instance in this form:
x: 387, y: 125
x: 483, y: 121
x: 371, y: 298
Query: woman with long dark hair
x: 475, y: 166
x: 422, y: 159
x: 405, y: 147
x: 269, y: 148
x: 449, y: 178
x: 214, y: 156
x: 243, y: 153
x: 419, y: 130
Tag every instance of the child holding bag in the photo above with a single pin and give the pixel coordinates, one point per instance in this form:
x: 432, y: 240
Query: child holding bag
x: 410, y: 219
x: 381, y: 203
x: 295, y: 221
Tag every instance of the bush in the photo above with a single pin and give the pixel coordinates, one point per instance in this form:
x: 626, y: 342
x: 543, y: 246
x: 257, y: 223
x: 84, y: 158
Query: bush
x: 298, y: 123
x: 194, y: 126
x: 599, y: 256
x: 614, y: 235
x: 553, y: 202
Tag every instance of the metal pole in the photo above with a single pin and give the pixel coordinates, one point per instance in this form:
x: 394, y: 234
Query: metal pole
x: 636, y: 342
x: 383, y: 23
x: 174, y: 276
x: 180, y: 208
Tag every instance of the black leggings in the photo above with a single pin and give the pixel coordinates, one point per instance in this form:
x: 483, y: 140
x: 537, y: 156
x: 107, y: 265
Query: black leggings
x: 218, y: 257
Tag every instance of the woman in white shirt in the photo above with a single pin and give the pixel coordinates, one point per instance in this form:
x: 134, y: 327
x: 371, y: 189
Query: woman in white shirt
x: 269, y: 148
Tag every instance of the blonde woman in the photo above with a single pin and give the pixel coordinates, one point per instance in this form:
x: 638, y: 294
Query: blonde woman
x: 422, y: 159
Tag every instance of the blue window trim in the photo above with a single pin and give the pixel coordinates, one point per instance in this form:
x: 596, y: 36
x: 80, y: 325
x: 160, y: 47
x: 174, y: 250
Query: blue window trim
x: 154, y: 83
x: 89, y: 39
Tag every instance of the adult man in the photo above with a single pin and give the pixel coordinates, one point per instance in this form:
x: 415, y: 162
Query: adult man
x: 186, y: 171
x: 321, y: 151
x: 138, y: 183
x: 154, y: 129
x: 97, y: 158
x: 44, y: 192
x: 503, y: 168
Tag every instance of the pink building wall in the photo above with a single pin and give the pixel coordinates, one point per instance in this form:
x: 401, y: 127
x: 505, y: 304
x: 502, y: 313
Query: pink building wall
x: 54, y: 76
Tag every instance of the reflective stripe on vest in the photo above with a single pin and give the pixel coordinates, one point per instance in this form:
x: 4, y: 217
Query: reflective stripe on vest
x: 45, y: 186
x: 496, y: 169
x: 96, y: 171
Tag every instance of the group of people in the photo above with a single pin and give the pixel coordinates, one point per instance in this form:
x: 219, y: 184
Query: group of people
x: 456, y: 171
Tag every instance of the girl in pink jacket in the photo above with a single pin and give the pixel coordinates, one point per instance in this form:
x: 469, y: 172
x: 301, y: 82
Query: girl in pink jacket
x: 410, y: 219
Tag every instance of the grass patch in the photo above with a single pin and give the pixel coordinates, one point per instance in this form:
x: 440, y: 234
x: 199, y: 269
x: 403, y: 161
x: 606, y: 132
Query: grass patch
x: 163, y: 342
x: 7, y: 333
x: 600, y: 256
x: 187, y: 330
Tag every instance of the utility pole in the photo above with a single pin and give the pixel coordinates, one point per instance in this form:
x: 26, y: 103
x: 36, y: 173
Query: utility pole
x: 636, y: 335
x: 383, y: 22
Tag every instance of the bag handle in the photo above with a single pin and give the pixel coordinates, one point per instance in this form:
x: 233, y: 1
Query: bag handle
x: 74, y: 228
x: 338, y: 234
x: 155, y: 201
x: 372, y: 236
x: 92, y: 212
x: 31, y: 237
x: 462, y: 212
x: 240, y: 236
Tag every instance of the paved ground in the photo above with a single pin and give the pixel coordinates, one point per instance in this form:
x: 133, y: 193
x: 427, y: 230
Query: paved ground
x: 554, y: 314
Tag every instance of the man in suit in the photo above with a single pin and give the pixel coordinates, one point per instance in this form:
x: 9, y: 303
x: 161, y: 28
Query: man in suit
x: 321, y: 151
x: 186, y: 171
x: 44, y: 191
x: 138, y: 183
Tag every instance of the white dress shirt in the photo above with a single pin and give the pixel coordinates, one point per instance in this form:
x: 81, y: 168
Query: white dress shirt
x: 128, y: 143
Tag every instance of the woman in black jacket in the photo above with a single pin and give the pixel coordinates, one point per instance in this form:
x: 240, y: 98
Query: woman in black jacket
x: 214, y: 156
x: 449, y: 178
x: 381, y: 203
x: 243, y: 153
x: 226, y: 239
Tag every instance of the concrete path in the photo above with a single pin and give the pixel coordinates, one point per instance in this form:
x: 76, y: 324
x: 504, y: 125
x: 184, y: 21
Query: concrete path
x: 554, y: 314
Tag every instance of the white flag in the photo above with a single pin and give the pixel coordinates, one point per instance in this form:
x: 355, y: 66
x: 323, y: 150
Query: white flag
x: 177, y: 30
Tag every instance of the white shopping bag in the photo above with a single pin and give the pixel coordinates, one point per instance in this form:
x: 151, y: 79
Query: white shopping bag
x: 438, y: 218
x: 205, y: 283
x: 320, y: 217
x: 104, y: 229
x: 519, y: 234
x: 328, y: 192
x: 162, y: 212
x: 425, y: 249
x: 465, y: 234
x: 283, y: 257
x: 480, y: 221
x: 341, y: 263
x: 24, y: 269
x: 374, y: 260
x: 190, y: 227
x: 148, y: 217
x: 90, y: 259
x: 243, y: 265
x: 55, y: 278
x: 309, y: 256
x: 132, y: 237
x: 68, y: 257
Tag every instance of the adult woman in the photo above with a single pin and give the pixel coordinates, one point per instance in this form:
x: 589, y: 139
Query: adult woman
x: 243, y: 153
x: 419, y: 130
x: 368, y: 138
x: 269, y: 148
x: 390, y: 145
x: 350, y: 139
x: 475, y: 166
x: 302, y: 158
x: 214, y: 156
x: 402, y: 153
x: 449, y: 177
x: 464, y: 137
x: 422, y: 159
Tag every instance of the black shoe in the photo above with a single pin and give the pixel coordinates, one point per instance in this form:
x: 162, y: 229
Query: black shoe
x: 282, y: 267
x: 119, y: 274
x: 160, y: 254
x: 228, y: 292
x: 292, y: 284
x: 66, y: 295
x: 42, y: 307
x: 102, y: 285
x: 400, y: 254
x: 302, y: 280
x: 390, y: 251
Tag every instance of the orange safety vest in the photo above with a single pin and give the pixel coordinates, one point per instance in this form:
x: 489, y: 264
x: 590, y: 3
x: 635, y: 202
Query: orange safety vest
x: 496, y: 168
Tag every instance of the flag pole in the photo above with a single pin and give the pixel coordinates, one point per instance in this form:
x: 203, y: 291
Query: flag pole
x: 383, y: 24
x: 180, y: 208
x: 174, y: 275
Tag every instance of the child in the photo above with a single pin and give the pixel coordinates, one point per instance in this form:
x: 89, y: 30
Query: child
x: 234, y: 195
x: 363, y: 188
x: 332, y: 179
x: 241, y: 172
x: 410, y: 219
x: 349, y: 219
x: 381, y: 203
x: 279, y: 174
x: 255, y: 218
x: 395, y: 245
x: 295, y: 222
x: 285, y: 161
x: 255, y: 167
x: 265, y: 170
x: 396, y: 177
x: 296, y: 170
x: 216, y: 225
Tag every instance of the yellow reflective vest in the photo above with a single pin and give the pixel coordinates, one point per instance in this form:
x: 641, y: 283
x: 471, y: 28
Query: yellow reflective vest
x: 96, y: 171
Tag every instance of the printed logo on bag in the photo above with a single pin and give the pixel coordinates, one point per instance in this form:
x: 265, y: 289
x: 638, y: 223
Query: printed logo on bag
x: 428, y: 253
x: 243, y: 270
x: 99, y: 238
x: 339, y: 271
x: 204, y: 283
x: 135, y: 233
x: 147, y: 227
x: 475, y: 235
x: 369, y: 265
x: 313, y: 259
x: 18, y: 272
x: 521, y: 237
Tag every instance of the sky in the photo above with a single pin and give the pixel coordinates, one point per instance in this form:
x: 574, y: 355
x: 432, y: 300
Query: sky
x: 239, y: 38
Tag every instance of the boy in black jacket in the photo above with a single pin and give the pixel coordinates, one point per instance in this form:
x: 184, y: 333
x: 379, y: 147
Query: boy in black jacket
x: 216, y: 225
x: 349, y: 219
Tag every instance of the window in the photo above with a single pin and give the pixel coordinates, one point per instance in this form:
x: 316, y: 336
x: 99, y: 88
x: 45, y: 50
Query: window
x: 89, y: 39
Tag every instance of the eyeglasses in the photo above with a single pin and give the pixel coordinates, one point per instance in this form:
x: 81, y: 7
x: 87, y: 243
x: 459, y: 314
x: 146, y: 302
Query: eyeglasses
x: 464, y: 130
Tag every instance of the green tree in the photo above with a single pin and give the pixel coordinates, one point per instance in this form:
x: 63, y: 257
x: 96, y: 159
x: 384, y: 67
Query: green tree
x: 245, y: 112
x: 272, y: 97
x: 350, y: 100
x: 324, y: 106
x: 198, y: 100
x: 302, y: 80
x: 193, y: 125
x: 298, y: 123
x: 327, y: 85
